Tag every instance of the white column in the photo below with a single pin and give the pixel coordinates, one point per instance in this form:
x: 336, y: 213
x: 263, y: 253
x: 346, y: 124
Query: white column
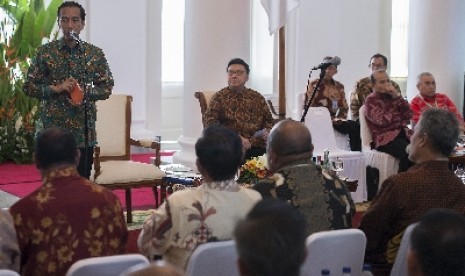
x: 437, y: 45
x: 215, y: 32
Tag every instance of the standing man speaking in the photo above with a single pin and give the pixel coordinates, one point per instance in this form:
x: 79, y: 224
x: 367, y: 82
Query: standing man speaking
x: 68, y: 75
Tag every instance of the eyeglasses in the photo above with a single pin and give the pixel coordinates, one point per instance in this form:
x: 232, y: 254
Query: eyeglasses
x: 74, y: 20
x: 237, y: 73
x: 427, y: 83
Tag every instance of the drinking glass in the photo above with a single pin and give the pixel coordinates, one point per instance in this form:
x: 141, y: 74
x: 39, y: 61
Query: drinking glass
x: 338, y: 166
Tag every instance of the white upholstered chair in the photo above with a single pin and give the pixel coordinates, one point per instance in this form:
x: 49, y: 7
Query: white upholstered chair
x: 334, y: 250
x: 400, y: 264
x: 385, y: 163
x: 213, y: 258
x: 112, y: 165
x: 7, y: 272
x: 318, y: 121
x: 105, y: 266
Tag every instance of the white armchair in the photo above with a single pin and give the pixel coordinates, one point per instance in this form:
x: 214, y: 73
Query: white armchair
x: 112, y: 165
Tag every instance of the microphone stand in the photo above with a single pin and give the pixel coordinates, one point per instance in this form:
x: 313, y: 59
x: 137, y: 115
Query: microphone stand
x: 309, y: 102
x: 83, y: 78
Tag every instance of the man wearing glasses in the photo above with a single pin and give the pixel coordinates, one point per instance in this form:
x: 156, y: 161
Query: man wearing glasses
x: 241, y: 109
x: 60, y: 72
x: 428, y: 98
x: 364, y: 87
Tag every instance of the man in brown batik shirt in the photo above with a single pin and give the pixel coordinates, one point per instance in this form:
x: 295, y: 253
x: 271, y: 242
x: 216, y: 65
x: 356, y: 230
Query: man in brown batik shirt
x: 241, y: 109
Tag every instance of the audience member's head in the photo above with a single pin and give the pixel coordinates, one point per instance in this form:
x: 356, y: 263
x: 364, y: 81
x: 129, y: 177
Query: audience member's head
x: 438, y: 245
x: 378, y: 62
x: 434, y: 136
x: 219, y: 153
x: 332, y: 69
x: 288, y: 141
x: 426, y: 84
x: 238, y: 73
x: 55, y: 147
x: 379, y: 80
x: 271, y: 239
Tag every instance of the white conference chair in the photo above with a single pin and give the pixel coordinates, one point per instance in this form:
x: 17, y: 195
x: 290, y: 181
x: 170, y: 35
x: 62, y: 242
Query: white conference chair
x: 334, y: 250
x: 318, y: 121
x: 7, y: 272
x: 385, y: 163
x: 214, y: 258
x: 106, y: 266
x: 400, y: 264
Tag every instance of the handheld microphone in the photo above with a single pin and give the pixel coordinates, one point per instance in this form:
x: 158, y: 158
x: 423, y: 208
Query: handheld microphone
x: 334, y: 61
x: 74, y: 36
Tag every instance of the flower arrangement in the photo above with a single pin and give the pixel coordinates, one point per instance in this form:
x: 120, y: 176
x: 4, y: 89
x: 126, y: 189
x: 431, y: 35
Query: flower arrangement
x: 253, y: 169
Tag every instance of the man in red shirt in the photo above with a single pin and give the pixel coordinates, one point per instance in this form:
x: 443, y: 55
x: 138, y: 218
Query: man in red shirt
x: 429, y: 98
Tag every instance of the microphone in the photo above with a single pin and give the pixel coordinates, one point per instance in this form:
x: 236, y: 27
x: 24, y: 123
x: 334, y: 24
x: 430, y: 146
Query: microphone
x: 74, y: 36
x: 334, y: 61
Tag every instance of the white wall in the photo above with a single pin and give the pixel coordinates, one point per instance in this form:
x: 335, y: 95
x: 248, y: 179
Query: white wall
x: 129, y: 32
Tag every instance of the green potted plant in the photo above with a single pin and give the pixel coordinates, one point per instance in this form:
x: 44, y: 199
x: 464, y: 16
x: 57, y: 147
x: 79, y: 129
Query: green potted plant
x: 28, y: 24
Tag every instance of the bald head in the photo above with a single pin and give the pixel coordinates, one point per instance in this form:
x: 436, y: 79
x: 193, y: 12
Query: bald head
x: 289, y: 140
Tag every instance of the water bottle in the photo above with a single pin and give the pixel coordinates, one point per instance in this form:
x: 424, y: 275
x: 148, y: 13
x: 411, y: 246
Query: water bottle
x: 326, y: 163
x: 346, y: 271
x: 460, y: 172
x: 366, y: 270
x: 325, y: 272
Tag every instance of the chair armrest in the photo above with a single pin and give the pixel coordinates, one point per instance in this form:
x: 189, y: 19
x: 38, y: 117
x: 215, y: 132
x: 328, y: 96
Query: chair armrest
x: 97, y: 166
x: 150, y: 144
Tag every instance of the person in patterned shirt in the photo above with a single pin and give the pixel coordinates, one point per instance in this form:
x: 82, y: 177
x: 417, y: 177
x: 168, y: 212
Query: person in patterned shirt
x: 191, y: 217
x: 57, y: 70
x: 388, y: 115
x: 68, y: 218
x: 331, y: 95
x: 9, y: 249
x: 364, y: 87
x: 241, y: 109
x: 318, y: 193
x: 428, y: 98
x: 405, y: 197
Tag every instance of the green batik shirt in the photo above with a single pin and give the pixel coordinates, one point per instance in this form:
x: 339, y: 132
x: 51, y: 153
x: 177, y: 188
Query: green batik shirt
x: 55, y: 62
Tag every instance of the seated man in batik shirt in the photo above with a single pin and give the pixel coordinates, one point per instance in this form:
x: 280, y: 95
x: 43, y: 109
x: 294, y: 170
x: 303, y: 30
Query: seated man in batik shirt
x: 208, y: 213
x: 68, y: 218
x: 319, y: 194
x: 241, y: 109
x: 330, y: 94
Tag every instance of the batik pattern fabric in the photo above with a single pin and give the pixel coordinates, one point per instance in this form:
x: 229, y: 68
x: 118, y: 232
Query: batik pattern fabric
x: 67, y: 219
x: 319, y: 194
x: 362, y: 89
x: 331, y: 95
x: 420, y: 104
x: 55, y: 62
x: 192, y: 217
x: 386, y: 117
x: 403, y: 199
x: 245, y: 112
x: 9, y: 249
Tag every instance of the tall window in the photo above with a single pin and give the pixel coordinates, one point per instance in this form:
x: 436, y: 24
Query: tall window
x: 172, y: 37
x: 262, y: 51
x: 399, y: 38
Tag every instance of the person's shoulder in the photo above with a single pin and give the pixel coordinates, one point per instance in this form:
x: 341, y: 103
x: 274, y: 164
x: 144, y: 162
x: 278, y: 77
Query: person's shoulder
x: 251, y: 193
x: 363, y: 81
x: 338, y: 84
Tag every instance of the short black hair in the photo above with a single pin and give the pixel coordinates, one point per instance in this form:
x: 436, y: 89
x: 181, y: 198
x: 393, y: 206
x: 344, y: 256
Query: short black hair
x: 439, y: 242
x: 55, y: 146
x: 71, y: 4
x: 239, y: 61
x: 219, y: 151
x: 378, y: 55
x: 271, y: 239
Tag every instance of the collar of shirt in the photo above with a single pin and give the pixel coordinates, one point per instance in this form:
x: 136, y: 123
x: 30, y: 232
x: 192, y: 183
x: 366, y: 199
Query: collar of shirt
x: 225, y: 185
x: 60, y: 172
